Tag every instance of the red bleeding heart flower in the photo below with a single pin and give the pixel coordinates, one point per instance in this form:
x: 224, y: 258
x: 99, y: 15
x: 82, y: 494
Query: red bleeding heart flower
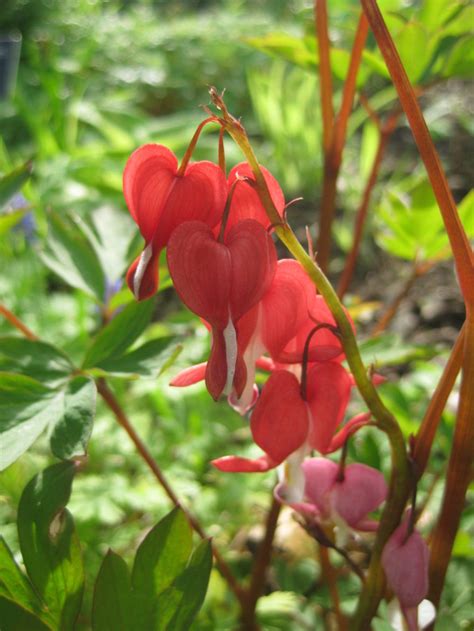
x: 160, y: 197
x: 285, y: 420
x: 220, y: 282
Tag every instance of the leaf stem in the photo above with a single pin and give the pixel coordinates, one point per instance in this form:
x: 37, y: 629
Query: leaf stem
x: 114, y: 405
x: 17, y: 323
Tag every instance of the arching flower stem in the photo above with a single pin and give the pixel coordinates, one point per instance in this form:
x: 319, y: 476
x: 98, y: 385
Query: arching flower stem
x: 192, y: 144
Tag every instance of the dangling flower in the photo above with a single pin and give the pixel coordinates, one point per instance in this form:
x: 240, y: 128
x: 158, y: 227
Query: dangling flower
x: 405, y: 560
x: 220, y: 282
x: 288, y: 417
x: 160, y: 197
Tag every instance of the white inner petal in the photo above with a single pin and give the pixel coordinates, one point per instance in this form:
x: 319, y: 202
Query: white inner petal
x: 141, y: 267
x: 230, y: 339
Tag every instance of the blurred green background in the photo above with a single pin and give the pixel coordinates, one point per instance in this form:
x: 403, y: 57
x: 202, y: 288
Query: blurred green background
x: 98, y: 78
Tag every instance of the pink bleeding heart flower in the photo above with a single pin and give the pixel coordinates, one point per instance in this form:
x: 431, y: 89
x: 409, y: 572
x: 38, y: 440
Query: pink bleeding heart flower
x: 220, y: 282
x: 246, y: 203
x: 349, y: 494
x: 405, y: 560
x: 285, y: 420
x: 160, y: 198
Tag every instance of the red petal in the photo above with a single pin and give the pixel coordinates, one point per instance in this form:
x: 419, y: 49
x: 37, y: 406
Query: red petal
x: 189, y: 376
x: 148, y: 283
x: 147, y: 179
x: 235, y: 464
x: 201, y: 271
x: 200, y: 194
x: 349, y: 428
x: 328, y: 392
x: 254, y: 260
x: 279, y: 422
x: 246, y: 203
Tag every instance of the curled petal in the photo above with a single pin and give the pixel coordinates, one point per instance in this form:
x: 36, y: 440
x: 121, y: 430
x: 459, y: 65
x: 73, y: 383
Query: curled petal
x: 235, y: 464
x: 189, y: 376
x: 143, y: 273
x: 328, y: 392
x: 279, y: 422
x: 349, y: 428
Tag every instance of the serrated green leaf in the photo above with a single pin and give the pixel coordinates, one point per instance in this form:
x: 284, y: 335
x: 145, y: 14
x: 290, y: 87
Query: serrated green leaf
x: 69, y: 255
x: 27, y: 407
x: 114, y: 339
x: 113, y: 607
x: 49, y: 544
x: 12, y: 182
x: 71, y: 433
x: 35, y: 359
x: 15, y: 587
x: 149, y: 360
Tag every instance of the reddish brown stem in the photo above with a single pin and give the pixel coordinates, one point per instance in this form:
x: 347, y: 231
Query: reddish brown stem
x: 461, y: 248
x: 361, y: 216
x: 330, y: 579
x: 334, y: 139
x: 429, y: 425
x: 259, y: 572
x: 18, y: 324
x: 459, y: 475
x: 111, y: 401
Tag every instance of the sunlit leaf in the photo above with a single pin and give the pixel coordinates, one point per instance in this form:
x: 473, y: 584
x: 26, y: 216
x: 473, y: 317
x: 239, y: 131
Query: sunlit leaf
x: 12, y: 182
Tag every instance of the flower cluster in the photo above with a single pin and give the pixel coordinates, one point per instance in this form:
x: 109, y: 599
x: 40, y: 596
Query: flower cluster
x: 267, y: 314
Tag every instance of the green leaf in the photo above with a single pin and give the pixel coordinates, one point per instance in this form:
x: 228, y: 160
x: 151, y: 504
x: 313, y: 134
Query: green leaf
x: 72, y: 431
x: 368, y: 148
x: 70, y: 255
x: 16, y: 588
x: 113, y: 607
x: 13, y: 181
x: 192, y: 584
x: 149, y: 360
x: 35, y: 359
x: 416, y: 47
x: 162, y: 555
x: 14, y: 618
x: 114, y: 339
x: 49, y: 544
x: 460, y: 61
x: 10, y: 220
x: 27, y: 407
x: 299, y: 51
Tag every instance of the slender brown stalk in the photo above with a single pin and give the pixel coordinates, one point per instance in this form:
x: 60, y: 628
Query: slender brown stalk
x: 334, y: 137
x: 114, y: 405
x: 330, y: 579
x: 459, y: 474
x: 349, y: 267
x: 460, y: 246
x: 325, y: 75
x: 429, y: 425
x: 262, y: 560
x: 18, y: 324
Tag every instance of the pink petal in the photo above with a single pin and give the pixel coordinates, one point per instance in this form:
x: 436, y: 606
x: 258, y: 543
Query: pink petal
x: 254, y: 260
x: 320, y: 475
x: 189, y: 376
x: 279, y: 422
x: 235, y: 464
x: 362, y: 491
x: 246, y: 203
x: 328, y: 392
x: 405, y: 564
x: 201, y: 271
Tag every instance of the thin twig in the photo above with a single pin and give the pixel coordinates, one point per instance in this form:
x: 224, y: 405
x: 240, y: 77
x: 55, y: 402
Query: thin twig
x: 114, y: 405
x: 262, y: 560
x: 18, y: 324
x: 330, y: 579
